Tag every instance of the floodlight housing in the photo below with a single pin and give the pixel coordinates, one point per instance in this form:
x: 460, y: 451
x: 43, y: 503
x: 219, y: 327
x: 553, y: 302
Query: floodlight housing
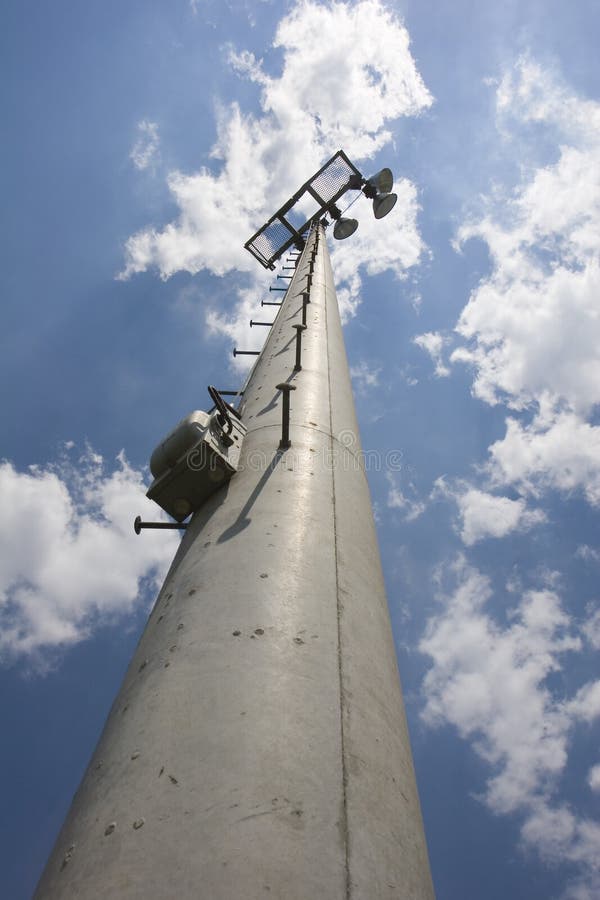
x: 343, y: 228
x: 383, y: 204
x: 382, y: 181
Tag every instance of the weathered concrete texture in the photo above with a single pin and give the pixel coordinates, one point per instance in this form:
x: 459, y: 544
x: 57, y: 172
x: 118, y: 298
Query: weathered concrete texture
x: 258, y: 745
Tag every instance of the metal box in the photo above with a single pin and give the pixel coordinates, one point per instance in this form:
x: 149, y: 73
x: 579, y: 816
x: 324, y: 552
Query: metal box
x: 198, y: 456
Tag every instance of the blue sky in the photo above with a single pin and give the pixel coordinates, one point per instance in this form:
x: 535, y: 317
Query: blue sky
x: 144, y: 142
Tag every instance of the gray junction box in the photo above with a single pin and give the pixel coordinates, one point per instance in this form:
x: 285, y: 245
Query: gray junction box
x: 198, y: 456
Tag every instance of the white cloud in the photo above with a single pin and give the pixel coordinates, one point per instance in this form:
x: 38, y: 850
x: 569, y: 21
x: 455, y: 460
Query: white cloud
x: 433, y: 342
x: 587, y: 553
x: 558, y: 834
x: 535, y: 331
x: 411, y: 506
x: 392, y: 244
x: 489, y: 681
x: 236, y: 325
x: 591, y: 629
x: 531, y: 333
x: 563, y: 455
x: 485, y: 515
x: 145, y: 152
x: 72, y: 561
x: 594, y: 778
x: 531, y: 330
x: 530, y: 93
x: 364, y: 377
x: 348, y: 91
x: 334, y: 91
x: 585, y: 705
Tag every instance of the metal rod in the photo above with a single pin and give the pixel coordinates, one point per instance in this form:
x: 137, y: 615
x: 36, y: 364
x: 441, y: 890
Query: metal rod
x: 287, y: 277
x: 285, y: 387
x: 270, y: 303
x: 305, y: 302
x: 237, y: 352
x: 268, y: 324
x: 299, y: 330
x: 138, y: 525
x: 277, y: 288
x: 232, y: 393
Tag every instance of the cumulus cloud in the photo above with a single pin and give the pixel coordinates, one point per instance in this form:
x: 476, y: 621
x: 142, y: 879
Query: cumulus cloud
x: 392, y: 245
x: 585, y: 705
x: 591, y: 629
x: 334, y: 92
x: 72, y: 561
x: 364, y: 377
x: 531, y: 330
x: 489, y: 680
x: 584, y: 551
x: 563, y: 455
x: 485, y: 515
x: 235, y: 325
x: 535, y: 331
x: 406, y: 501
x: 432, y: 342
x: 144, y: 152
x: 594, y: 778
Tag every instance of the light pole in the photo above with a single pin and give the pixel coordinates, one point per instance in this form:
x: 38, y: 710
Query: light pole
x: 258, y: 745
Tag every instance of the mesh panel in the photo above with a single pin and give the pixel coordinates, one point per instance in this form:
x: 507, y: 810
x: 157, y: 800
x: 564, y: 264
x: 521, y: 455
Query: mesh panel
x: 332, y: 179
x: 268, y: 241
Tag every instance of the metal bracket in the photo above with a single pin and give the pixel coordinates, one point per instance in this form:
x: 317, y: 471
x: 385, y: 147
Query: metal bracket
x: 224, y: 417
x: 299, y: 330
x: 285, y: 389
x: 138, y: 525
x: 305, y: 302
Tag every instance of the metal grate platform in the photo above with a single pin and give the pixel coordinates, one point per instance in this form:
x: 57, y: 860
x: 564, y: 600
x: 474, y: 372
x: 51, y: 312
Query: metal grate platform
x: 325, y: 187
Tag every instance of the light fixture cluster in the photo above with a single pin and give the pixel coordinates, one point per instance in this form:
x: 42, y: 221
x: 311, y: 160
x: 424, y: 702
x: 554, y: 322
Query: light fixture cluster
x: 288, y: 227
x: 378, y: 188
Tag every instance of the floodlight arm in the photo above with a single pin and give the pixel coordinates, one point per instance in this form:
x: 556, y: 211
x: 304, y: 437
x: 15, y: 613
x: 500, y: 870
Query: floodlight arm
x: 369, y: 190
x: 355, y: 182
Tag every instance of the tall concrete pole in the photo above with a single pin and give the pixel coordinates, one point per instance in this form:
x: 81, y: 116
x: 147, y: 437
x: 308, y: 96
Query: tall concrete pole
x: 258, y: 745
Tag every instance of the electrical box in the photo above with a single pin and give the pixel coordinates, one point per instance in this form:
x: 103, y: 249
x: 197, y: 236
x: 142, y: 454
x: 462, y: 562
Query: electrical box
x: 199, y: 455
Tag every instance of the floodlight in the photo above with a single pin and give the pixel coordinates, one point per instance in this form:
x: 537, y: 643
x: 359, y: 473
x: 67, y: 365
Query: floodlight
x: 382, y: 181
x: 343, y: 228
x: 383, y: 204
